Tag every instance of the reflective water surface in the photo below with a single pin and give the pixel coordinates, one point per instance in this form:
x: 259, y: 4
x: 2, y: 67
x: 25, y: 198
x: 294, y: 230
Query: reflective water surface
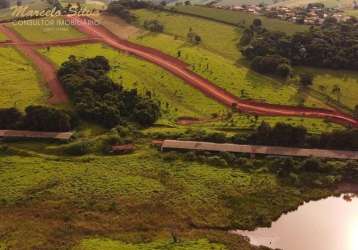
x: 327, y: 224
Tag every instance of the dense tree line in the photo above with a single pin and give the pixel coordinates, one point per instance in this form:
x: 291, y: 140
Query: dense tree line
x: 332, y: 45
x: 97, y: 98
x: 37, y: 118
x: 280, y: 135
x: 287, y: 135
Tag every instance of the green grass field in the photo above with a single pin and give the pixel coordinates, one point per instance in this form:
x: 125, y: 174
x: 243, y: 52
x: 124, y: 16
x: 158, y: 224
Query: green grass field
x: 19, y: 83
x: 134, y: 73
x: 247, y: 122
x: 217, y: 37
x: 46, y: 29
x: 237, y: 79
x: 134, y: 196
x: 240, y: 18
x: 326, y: 79
x: 100, y: 244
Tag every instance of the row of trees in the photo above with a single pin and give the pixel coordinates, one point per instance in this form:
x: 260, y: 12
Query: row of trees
x: 287, y: 135
x: 37, y: 118
x: 333, y: 45
x: 98, y: 99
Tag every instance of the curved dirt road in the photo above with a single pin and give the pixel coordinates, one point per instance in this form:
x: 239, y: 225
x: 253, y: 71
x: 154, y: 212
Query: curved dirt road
x: 171, y: 64
x: 45, y: 68
x: 180, y: 69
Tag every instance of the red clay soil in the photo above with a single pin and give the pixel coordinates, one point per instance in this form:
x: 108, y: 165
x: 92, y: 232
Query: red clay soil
x: 46, y: 69
x: 180, y: 69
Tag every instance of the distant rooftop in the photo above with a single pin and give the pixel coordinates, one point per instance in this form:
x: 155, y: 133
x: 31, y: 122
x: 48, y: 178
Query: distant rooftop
x: 35, y: 134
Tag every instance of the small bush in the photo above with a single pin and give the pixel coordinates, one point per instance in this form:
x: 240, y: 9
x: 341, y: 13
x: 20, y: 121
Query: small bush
x: 77, y: 148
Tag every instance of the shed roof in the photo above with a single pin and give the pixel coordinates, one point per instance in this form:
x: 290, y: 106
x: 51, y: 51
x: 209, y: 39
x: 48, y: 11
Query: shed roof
x: 254, y: 149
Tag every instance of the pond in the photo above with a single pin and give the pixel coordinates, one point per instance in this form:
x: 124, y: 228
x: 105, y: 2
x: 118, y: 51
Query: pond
x: 327, y: 224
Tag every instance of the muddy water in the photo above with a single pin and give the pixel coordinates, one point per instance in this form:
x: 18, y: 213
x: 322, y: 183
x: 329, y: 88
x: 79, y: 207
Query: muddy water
x: 327, y: 224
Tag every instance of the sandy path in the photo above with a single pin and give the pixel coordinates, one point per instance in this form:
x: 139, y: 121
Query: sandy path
x: 44, y: 67
x: 180, y: 69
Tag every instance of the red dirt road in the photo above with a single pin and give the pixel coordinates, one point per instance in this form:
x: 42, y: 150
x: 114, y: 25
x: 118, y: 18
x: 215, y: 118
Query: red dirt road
x: 180, y: 69
x: 45, y: 68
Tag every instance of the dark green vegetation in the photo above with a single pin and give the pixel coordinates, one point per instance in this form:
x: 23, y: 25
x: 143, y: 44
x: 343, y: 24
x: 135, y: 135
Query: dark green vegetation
x: 38, y: 118
x: 286, y: 135
x: 153, y: 26
x: 136, y: 198
x: 98, y: 99
x: 333, y: 45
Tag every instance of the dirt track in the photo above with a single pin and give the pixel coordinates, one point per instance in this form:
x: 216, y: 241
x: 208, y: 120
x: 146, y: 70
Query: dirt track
x: 46, y: 69
x: 171, y: 64
x: 180, y: 69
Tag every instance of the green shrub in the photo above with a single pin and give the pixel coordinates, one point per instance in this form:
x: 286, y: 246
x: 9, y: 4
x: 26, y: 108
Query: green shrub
x: 77, y: 148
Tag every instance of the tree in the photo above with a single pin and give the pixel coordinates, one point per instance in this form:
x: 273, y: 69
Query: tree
x: 193, y: 37
x: 312, y: 165
x: 153, y: 26
x: 10, y: 118
x: 98, y: 99
x: 257, y: 22
x: 46, y: 119
x: 306, y: 79
x: 271, y: 64
x: 336, y: 90
x: 284, y: 70
x: 119, y: 9
x: 246, y: 37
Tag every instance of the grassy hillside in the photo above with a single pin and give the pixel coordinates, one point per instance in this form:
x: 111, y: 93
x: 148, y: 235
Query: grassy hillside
x: 215, y: 59
x: 19, y: 84
x: 135, y: 73
x: 346, y: 80
x: 325, y: 80
x: 217, y: 37
x: 46, y: 29
x: 241, y: 18
x: 238, y: 80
